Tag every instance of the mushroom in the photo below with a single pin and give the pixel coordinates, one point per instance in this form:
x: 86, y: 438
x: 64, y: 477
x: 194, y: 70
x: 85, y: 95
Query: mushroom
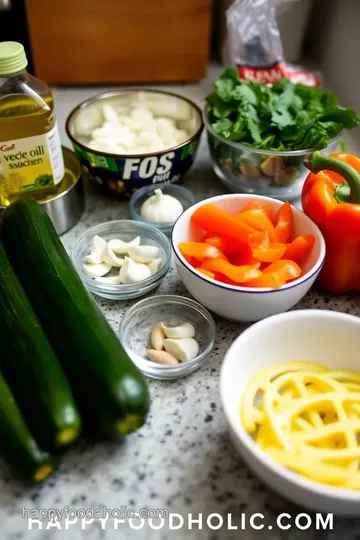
x: 286, y: 176
x: 250, y: 170
x: 272, y: 165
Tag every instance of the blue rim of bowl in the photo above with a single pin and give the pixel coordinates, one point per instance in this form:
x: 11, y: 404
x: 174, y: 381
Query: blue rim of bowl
x: 189, y: 302
x: 151, y: 188
x: 248, y: 148
x: 260, y: 290
x: 98, y: 287
x: 103, y: 95
x: 246, y: 439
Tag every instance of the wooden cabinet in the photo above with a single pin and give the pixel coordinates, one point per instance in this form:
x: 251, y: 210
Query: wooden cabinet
x: 118, y: 41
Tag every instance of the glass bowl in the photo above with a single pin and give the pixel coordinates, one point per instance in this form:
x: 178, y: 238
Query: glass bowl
x: 180, y: 193
x: 243, y: 169
x: 125, y: 230
x: 136, y: 325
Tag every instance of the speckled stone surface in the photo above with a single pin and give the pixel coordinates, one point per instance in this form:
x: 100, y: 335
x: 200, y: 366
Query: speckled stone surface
x: 182, y: 459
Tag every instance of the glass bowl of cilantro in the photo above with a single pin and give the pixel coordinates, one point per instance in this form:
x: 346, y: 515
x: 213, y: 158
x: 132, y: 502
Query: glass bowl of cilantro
x: 259, y: 135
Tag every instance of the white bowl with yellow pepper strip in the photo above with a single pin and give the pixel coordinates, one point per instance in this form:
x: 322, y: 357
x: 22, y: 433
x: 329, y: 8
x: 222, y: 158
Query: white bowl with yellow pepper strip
x: 290, y: 390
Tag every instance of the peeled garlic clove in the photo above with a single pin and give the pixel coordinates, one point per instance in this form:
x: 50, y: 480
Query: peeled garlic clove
x: 183, y: 349
x: 110, y: 113
x: 185, y: 330
x: 96, y: 270
x: 120, y: 247
x: 133, y: 272
x: 110, y: 258
x: 155, y: 266
x: 111, y: 280
x: 157, y: 337
x: 97, y: 247
x: 143, y: 254
x: 162, y: 357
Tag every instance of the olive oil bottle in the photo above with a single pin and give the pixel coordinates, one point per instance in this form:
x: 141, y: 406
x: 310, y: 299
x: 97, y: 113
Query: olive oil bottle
x: 31, y: 160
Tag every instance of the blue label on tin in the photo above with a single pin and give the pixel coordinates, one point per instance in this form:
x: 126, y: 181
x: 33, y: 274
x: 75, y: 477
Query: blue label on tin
x: 125, y: 175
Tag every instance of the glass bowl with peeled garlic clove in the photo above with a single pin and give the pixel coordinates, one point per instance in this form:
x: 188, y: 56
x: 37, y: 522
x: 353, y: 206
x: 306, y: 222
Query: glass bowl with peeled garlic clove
x: 167, y: 337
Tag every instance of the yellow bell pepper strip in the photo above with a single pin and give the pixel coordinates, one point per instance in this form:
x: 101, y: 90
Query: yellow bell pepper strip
x: 331, y: 198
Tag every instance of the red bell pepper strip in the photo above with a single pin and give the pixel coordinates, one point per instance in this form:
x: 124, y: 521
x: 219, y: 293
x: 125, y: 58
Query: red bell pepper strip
x: 299, y: 249
x: 284, y: 223
x: 239, y: 274
x: 213, y: 219
x: 331, y: 198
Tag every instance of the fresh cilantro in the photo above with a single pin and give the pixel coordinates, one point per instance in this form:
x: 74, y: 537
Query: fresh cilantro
x: 285, y: 117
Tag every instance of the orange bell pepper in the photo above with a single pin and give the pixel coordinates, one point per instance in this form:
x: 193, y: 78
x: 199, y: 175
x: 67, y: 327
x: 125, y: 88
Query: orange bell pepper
x: 225, y: 245
x: 284, y: 223
x: 299, y: 249
x: 200, y: 250
x: 290, y: 270
x: 213, y: 219
x: 272, y: 280
x: 258, y: 219
x: 239, y: 274
x: 256, y: 205
x: 263, y: 250
x: 331, y: 198
x: 206, y: 273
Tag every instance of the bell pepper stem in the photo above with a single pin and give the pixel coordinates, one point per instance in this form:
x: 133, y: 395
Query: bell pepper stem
x: 317, y: 161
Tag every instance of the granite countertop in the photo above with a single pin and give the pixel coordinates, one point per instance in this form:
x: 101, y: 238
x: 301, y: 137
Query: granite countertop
x: 182, y: 460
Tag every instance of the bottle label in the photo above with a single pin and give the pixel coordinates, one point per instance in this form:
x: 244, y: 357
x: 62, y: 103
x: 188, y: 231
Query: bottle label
x: 32, y: 163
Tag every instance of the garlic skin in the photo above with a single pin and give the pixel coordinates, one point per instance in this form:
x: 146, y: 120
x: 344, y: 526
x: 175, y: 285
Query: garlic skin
x: 97, y: 248
x: 120, y: 247
x: 133, y: 272
x: 111, y: 280
x: 110, y: 258
x: 183, y: 349
x: 96, y: 270
x: 143, y: 254
x: 160, y: 208
x: 155, y: 266
x: 185, y: 330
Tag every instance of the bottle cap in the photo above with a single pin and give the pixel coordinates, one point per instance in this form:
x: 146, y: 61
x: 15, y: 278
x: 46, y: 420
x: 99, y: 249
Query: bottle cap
x: 12, y: 57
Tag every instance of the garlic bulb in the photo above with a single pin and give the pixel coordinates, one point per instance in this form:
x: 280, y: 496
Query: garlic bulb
x: 160, y: 208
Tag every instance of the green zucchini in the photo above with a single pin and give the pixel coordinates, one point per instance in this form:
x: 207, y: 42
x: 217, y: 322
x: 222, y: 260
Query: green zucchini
x: 108, y: 386
x: 31, y: 368
x: 17, y: 446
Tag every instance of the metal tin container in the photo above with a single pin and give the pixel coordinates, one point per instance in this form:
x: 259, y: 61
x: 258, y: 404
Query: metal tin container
x: 121, y: 175
x: 66, y: 208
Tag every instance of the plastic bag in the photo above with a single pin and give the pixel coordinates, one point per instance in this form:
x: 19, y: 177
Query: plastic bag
x: 254, y: 43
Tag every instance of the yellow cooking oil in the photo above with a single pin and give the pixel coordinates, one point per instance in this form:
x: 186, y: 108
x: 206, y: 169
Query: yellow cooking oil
x: 31, y: 159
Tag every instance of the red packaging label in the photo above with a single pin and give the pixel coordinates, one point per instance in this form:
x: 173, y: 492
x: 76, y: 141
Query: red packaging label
x: 276, y: 72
